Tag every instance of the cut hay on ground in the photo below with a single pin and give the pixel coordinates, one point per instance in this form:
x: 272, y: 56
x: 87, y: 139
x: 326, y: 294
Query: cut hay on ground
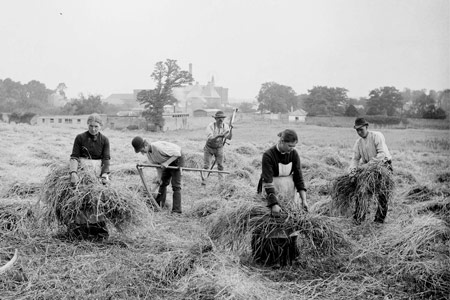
x: 234, y: 189
x: 443, y: 177
x: 416, y: 237
x: 233, y: 225
x: 62, y: 202
x: 23, y: 189
x: 419, y: 193
x: 206, y: 207
x: 14, y: 216
x: 193, y: 160
x: 419, y: 255
x: 369, y: 183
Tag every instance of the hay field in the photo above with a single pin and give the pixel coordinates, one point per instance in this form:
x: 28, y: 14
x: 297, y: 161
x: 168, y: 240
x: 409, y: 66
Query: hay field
x: 176, y: 257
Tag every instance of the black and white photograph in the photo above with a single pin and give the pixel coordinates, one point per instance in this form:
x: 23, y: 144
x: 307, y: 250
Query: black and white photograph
x: 225, y: 149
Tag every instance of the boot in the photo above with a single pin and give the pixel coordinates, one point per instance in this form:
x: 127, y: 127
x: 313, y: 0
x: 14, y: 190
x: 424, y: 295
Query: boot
x: 176, y: 204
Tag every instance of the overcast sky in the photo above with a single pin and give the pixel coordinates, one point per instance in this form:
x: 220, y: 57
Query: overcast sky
x: 111, y: 46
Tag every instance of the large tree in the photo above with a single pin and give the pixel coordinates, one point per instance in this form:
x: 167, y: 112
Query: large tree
x: 277, y: 98
x: 167, y: 75
x: 323, y: 100
x: 384, y: 101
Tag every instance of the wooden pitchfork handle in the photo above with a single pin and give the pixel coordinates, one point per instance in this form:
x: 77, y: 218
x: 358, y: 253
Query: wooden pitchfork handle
x: 152, y: 198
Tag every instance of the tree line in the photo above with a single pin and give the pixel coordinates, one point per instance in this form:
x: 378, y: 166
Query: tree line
x: 33, y: 97
x: 334, y: 101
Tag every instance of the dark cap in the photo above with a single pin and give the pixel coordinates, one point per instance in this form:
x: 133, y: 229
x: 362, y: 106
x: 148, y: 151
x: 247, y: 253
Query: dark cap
x: 219, y: 114
x: 137, y: 143
x: 360, y: 122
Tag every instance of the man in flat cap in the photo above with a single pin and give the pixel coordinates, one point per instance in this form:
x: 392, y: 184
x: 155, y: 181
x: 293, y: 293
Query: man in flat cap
x: 164, y: 154
x: 370, y: 147
x: 216, y: 133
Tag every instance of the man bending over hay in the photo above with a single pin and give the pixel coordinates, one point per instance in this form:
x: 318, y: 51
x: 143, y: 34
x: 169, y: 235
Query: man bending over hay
x: 370, y: 173
x: 90, y: 152
x: 165, y: 154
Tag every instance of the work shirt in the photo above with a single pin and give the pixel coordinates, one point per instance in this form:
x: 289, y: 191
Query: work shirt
x: 276, y: 164
x: 372, y: 147
x: 213, y: 130
x: 94, y: 147
x: 162, y: 151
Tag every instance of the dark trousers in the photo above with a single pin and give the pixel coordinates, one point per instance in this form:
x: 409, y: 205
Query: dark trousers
x: 171, y: 176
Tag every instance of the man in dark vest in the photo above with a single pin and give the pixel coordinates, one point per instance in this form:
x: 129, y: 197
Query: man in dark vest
x: 216, y: 132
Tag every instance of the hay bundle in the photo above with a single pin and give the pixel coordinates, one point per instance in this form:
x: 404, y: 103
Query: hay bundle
x: 366, y: 186
x: 63, y: 203
x: 233, y: 226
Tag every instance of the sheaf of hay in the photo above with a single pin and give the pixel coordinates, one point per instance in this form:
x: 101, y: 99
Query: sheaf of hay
x: 63, y: 202
x: 370, y: 181
x: 233, y: 226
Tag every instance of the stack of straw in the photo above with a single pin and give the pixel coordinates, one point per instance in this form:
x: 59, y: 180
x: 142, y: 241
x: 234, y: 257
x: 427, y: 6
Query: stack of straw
x: 233, y: 226
x: 369, y: 183
x: 63, y: 202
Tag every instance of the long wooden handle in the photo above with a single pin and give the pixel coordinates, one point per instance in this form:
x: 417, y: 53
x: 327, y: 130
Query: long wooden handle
x: 141, y: 174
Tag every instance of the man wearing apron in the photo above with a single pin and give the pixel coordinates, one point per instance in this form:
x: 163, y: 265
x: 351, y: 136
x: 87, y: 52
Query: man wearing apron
x: 282, y: 174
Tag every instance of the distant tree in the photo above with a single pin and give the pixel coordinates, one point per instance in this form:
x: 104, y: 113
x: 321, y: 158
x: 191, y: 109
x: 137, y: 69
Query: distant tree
x: 246, y: 107
x: 351, y: 111
x: 84, y: 106
x: 167, y: 75
x: 60, y: 89
x: 384, y: 101
x: 323, y: 100
x: 276, y: 98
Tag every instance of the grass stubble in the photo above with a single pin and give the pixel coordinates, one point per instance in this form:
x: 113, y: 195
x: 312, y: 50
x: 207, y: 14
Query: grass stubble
x: 205, y: 253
